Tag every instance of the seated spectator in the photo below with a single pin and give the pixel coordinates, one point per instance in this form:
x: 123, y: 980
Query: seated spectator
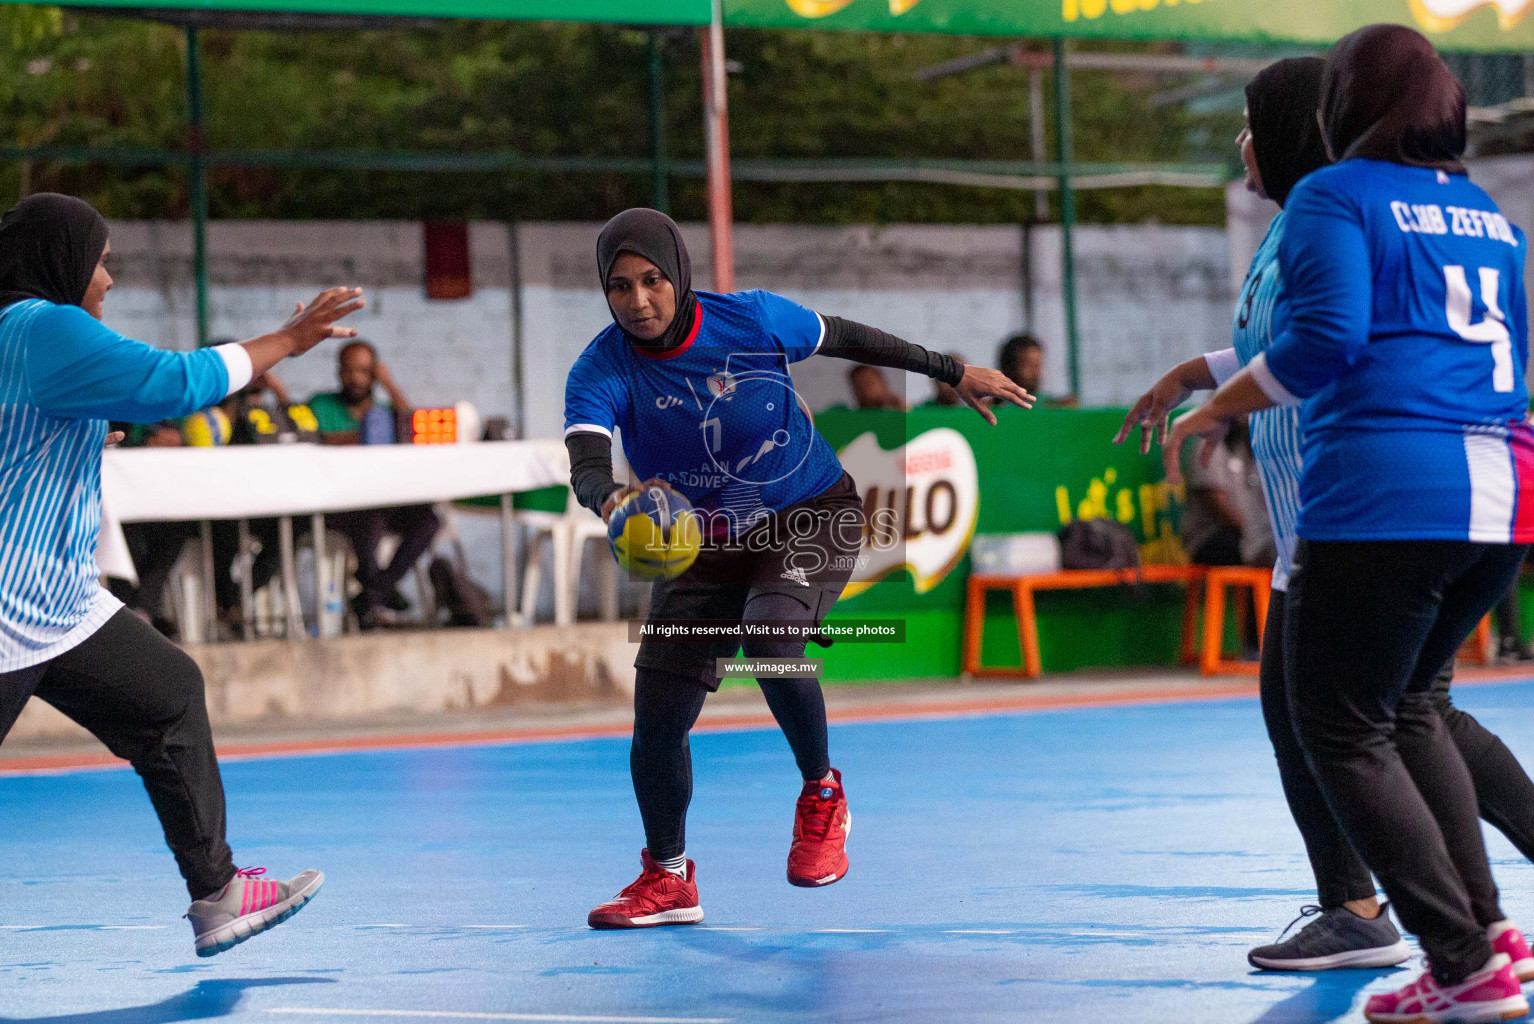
x: 1212, y: 517
x: 1022, y: 360
x: 154, y: 547
x: 352, y: 416
x: 870, y: 389
x: 1258, y: 548
x: 1224, y: 517
x: 254, y: 420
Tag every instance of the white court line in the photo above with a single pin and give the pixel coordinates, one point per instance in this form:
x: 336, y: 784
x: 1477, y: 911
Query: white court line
x: 727, y: 928
x: 493, y: 926
x: 849, y: 931
x: 980, y: 931
x: 385, y: 926
x: 98, y: 927
x: 563, y: 1018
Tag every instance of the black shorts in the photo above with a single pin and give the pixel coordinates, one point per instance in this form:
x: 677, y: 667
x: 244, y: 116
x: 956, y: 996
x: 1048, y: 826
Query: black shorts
x: 806, y: 551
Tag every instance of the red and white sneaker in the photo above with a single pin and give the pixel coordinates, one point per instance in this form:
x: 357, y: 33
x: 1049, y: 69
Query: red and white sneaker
x: 656, y: 897
x: 1490, y: 994
x: 1506, y: 938
x: 821, y: 824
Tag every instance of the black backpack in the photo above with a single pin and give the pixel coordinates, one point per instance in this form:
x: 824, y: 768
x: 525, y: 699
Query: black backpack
x: 466, y: 602
x: 1098, y: 544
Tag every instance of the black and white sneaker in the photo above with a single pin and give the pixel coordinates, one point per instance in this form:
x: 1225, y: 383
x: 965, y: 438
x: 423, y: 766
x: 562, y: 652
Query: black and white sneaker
x: 1336, y: 938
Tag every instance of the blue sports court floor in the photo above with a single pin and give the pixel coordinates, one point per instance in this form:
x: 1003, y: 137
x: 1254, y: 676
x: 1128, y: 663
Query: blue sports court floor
x: 1104, y: 864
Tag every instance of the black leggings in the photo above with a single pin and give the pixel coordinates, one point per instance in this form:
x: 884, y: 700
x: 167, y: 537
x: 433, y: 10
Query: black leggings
x: 143, y: 697
x: 1367, y: 629
x: 666, y: 705
x: 1504, y: 793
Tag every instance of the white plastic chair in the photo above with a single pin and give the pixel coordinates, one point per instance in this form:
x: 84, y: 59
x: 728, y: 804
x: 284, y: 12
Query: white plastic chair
x: 567, y: 534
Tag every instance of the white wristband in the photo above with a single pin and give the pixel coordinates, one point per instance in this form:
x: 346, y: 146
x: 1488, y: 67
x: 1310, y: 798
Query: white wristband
x: 237, y: 362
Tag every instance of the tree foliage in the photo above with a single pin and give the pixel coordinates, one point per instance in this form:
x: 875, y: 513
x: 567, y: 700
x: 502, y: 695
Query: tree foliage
x: 554, y: 89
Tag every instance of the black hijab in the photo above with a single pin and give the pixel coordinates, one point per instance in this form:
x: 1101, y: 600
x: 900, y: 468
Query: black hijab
x: 1387, y: 95
x: 1281, y: 107
x: 49, y: 247
x: 655, y: 236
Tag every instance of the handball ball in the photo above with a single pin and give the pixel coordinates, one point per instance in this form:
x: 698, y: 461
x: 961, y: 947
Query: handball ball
x: 655, y: 534
x: 209, y: 428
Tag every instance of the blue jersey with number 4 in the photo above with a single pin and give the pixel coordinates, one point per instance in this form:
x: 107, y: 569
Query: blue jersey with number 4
x: 1406, y: 339
x: 717, y: 417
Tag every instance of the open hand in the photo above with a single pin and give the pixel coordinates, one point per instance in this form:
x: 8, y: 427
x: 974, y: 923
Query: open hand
x: 1153, y: 412
x: 1198, y: 423
x: 980, y: 383
x: 313, y: 323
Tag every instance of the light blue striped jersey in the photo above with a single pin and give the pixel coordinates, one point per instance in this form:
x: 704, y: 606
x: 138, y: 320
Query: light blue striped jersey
x: 1276, y: 435
x: 63, y: 375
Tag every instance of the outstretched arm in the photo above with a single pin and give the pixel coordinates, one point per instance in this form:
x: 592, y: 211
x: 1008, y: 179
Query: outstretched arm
x: 81, y: 369
x: 848, y: 339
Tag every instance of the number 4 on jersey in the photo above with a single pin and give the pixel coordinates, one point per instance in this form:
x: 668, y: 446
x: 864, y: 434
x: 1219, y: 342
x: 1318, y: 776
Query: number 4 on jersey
x: 1492, y: 330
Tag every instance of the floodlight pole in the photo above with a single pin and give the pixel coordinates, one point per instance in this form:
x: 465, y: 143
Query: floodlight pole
x: 1067, y: 214
x: 197, y: 171
x: 717, y: 132
x: 660, y: 174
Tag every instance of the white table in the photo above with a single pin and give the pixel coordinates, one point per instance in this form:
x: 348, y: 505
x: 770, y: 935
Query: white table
x: 283, y: 480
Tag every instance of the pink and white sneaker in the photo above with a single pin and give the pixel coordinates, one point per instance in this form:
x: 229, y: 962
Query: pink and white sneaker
x: 1506, y: 938
x: 248, y: 906
x: 1490, y: 994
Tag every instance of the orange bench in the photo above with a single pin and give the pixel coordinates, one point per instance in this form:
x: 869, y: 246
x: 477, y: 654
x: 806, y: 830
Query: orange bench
x: 1023, y: 588
x: 1480, y: 649
x: 1217, y: 579
x: 1210, y: 657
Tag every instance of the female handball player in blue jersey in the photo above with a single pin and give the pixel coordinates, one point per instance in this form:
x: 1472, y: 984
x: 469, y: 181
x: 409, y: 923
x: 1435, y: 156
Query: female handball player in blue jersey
x: 63, y: 638
x: 1282, y: 144
x: 698, y: 384
x: 1405, y: 344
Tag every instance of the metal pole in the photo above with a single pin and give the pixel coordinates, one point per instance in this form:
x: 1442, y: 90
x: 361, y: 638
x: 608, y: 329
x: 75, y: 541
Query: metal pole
x: 660, y: 174
x: 1036, y: 131
x: 198, y: 171
x: 509, y: 558
x: 210, y: 587
x: 518, y: 363
x: 716, y: 125
x: 247, y: 584
x: 1067, y: 214
x: 294, y: 619
x: 321, y: 572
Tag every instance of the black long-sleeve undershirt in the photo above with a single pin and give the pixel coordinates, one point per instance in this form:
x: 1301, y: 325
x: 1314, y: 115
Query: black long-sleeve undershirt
x: 591, y: 468
x: 591, y: 453
x: 848, y: 339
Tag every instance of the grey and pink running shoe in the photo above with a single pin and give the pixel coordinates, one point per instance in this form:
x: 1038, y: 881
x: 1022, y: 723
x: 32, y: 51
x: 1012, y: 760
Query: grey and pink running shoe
x: 248, y: 906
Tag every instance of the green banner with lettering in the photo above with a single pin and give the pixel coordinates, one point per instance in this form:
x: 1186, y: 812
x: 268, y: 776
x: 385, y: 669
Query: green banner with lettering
x: 943, y: 476
x: 1452, y: 24
x: 631, y: 12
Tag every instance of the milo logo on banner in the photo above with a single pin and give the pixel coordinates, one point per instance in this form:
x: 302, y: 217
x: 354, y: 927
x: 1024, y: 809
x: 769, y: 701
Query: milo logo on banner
x: 826, y: 8
x: 1443, y: 15
x: 921, y: 499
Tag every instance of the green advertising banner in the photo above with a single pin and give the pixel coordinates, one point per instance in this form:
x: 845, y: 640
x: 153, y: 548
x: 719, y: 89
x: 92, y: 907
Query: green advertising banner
x: 944, y: 476
x: 1452, y: 24
x: 1488, y: 25
x: 631, y: 12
